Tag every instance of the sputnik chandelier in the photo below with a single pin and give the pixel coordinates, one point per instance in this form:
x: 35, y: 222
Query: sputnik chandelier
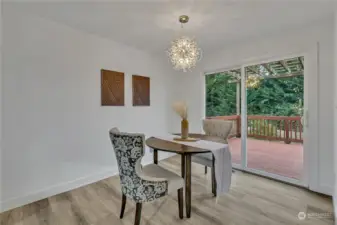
x: 184, y: 52
x: 253, y: 81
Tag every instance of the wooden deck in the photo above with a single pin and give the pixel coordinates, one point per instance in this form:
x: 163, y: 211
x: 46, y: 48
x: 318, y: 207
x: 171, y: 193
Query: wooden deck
x: 270, y: 156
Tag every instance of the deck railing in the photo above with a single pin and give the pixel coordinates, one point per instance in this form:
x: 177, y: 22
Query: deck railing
x: 282, y: 128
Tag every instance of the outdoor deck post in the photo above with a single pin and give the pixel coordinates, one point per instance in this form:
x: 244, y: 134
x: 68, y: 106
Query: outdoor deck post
x: 238, y: 126
x: 286, y: 131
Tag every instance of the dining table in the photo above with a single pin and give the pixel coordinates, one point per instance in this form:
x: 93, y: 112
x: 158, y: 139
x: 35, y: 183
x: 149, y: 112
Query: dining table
x: 182, y: 148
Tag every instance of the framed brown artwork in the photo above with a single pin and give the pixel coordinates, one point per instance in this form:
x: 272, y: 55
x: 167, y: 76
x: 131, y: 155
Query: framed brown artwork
x: 141, y: 90
x: 112, y: 88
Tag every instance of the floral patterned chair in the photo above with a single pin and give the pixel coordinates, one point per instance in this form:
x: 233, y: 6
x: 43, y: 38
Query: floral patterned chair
x: 213, y: 127
x: 142, y: 184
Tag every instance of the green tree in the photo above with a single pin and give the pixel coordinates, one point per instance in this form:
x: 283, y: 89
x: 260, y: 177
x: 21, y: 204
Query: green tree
x: 220, y: 95
x: 277, y: 96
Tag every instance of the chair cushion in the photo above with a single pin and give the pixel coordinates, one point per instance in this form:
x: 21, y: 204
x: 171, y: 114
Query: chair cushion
x: 205, y: 159
x: 208, y: 155
x: 175, y: 181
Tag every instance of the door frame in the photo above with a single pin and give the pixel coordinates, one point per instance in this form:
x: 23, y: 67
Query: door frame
x: 311, y: 136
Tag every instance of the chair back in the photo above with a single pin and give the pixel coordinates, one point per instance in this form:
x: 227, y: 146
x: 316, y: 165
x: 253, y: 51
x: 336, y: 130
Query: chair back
x: 114, y: 130
x: 129, y: 150
x: 219, y: 128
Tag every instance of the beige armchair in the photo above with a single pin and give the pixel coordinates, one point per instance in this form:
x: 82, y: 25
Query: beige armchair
x: 213, y: 127
x: 218, y: 128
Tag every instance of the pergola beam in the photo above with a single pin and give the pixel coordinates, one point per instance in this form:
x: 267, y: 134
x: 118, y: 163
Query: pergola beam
x: 273, y: 72
x: 236, y: 70
x: 253, y: 70
x: 267, y: 67
x: 285, y: 66
x: 285, y: 75
x: 235, y: 74
x: 301, y: 62
x: 237, y: 77
x: 295, y: 74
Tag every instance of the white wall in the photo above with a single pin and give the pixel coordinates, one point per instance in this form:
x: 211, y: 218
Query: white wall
x: 188, y: 87
x: 192, y: 84
x: 55, y: 133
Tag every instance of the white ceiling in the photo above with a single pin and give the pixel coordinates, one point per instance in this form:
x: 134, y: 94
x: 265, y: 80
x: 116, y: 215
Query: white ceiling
x: 151, y: 25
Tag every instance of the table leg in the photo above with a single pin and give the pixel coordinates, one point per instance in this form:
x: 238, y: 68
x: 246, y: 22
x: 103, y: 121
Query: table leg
x: 155, y: 156
x: 188, y: 185
x: 183, y: 176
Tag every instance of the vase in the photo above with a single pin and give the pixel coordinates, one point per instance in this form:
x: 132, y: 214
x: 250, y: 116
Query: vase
x: 184, y: 129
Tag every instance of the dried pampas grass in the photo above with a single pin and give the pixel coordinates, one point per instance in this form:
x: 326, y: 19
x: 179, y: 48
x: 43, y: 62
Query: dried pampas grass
x: 181, y: 109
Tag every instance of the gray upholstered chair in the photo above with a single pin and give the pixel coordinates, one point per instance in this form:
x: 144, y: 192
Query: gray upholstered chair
x: 213, y: 127
x: 142, y: 184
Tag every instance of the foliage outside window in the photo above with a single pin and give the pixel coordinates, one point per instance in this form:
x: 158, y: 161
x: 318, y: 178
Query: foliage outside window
x: 220, y: 95
x: 274, y: 97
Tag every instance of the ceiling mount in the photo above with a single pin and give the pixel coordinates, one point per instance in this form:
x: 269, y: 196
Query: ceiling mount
x: 183, y: 19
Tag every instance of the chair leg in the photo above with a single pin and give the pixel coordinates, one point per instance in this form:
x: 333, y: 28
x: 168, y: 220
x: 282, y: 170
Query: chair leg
x: 123, y: 206
x: 181, y: 202
x: 205, y: 169
x: 213, y: 178
x: 138, y: 213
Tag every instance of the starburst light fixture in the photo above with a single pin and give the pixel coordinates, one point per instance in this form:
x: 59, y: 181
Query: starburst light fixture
x: 184, y: 52
x: 253, y: 81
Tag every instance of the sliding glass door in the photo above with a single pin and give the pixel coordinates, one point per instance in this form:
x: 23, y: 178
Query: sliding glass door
x: 266, y: 102
x: 272, y: 106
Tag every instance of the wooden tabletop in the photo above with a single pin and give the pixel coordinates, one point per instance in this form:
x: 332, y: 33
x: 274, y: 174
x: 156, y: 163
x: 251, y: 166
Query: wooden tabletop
x: 181, y: 148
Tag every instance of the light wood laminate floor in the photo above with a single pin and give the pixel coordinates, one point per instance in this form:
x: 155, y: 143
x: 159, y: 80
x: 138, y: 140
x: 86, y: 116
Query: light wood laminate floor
x: 252, y: 200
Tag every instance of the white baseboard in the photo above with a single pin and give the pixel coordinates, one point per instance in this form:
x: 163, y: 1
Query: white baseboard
x: 325, y: 189
x: 55, y: 189
x: 63, y: 187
